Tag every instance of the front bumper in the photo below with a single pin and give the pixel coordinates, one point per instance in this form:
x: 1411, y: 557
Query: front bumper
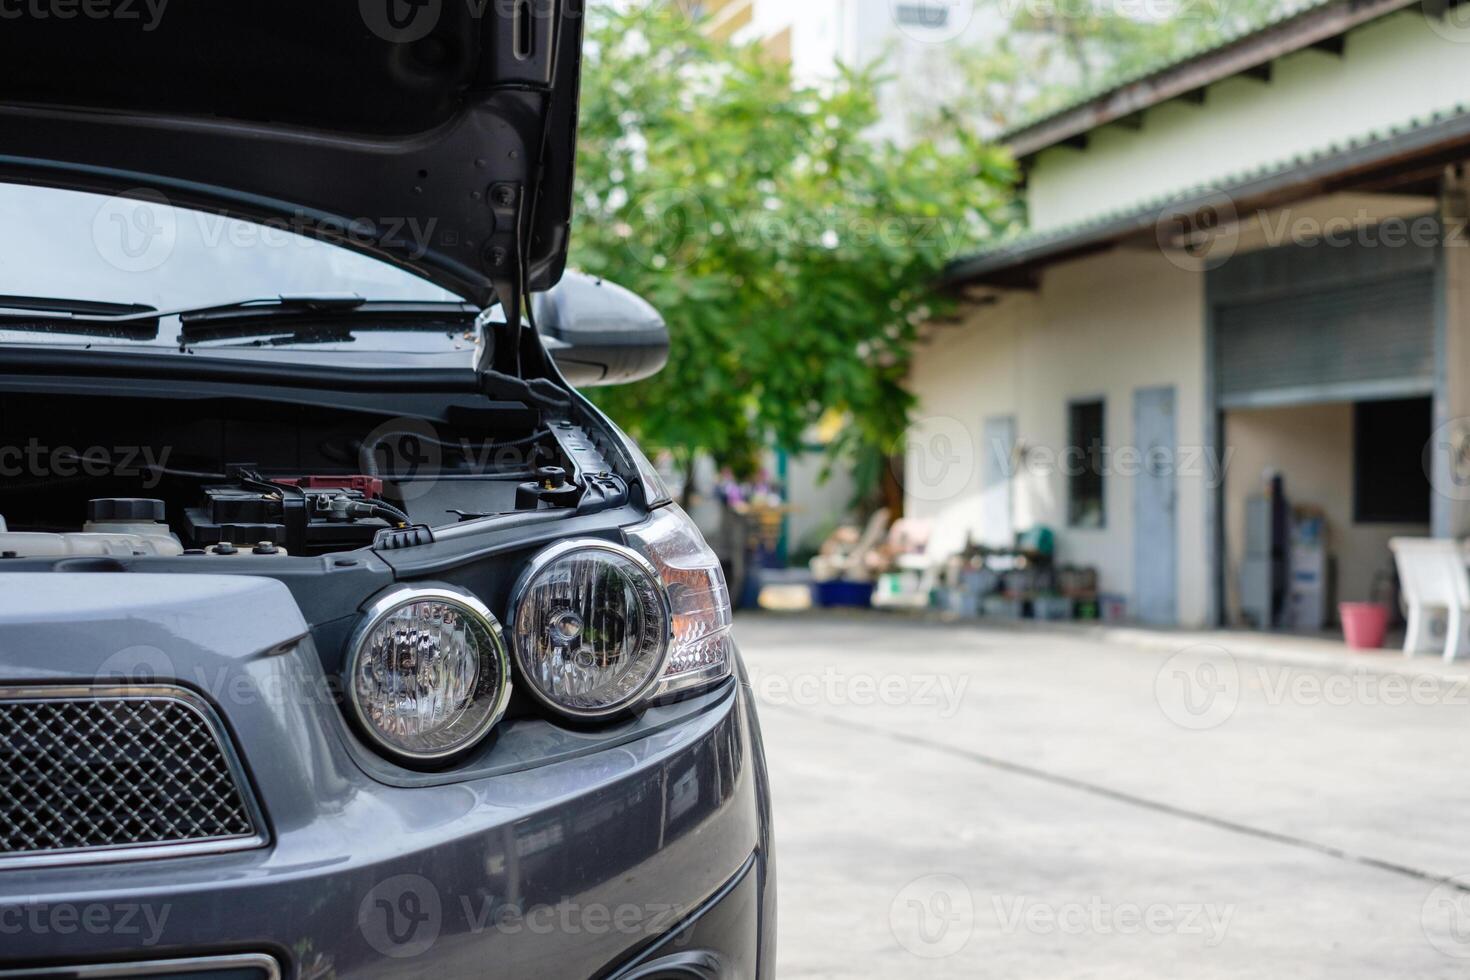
x: 649, y: 857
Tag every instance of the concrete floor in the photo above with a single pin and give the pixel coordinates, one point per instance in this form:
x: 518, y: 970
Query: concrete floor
x: 957, y: 801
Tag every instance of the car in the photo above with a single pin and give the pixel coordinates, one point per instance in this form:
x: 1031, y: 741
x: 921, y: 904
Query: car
x: 341, y: 634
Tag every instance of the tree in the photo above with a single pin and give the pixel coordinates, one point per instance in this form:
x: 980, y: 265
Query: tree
x: 792, y: 255
x: 1056, y: 51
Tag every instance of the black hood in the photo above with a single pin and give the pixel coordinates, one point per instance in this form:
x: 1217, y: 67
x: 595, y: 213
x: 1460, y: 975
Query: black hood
x: 383, y: 125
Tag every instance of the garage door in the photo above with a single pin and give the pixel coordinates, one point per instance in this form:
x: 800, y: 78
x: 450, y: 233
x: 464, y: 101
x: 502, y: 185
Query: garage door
x: 1294, y: 326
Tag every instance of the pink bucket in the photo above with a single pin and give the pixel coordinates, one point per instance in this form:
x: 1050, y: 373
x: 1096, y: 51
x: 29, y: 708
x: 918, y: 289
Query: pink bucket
x: 1364, y: 624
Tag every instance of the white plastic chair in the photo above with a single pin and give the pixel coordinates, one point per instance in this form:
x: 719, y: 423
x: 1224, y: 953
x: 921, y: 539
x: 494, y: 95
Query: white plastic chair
x: 1433, y: 578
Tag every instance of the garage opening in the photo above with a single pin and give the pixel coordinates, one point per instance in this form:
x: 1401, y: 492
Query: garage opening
x: 1323, y: 371
x: 1313, y: 494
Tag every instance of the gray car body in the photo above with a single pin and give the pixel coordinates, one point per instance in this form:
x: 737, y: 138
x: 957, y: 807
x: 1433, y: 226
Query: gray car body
x: 639, y: 850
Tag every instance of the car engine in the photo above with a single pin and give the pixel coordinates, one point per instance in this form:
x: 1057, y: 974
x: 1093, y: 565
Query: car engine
x: 229, y: 478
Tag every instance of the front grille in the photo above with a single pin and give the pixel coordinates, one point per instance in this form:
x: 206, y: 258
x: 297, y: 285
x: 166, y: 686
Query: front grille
x: 84, y: 771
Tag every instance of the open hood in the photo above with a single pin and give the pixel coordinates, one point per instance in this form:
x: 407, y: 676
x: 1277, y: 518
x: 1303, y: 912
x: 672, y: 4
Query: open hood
x: 381, y: 125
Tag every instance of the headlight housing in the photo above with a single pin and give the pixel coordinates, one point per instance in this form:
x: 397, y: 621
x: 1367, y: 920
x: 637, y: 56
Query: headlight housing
x: 428, y: 674
x: 701, y: 650
x: 591, y: 627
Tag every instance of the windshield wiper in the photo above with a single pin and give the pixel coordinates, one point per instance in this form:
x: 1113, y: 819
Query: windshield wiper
x: 39, y: 314
x: 303, y: 316
x: 267, y: 317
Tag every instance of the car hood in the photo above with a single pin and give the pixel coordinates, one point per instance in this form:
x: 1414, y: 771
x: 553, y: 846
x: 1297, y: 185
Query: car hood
x: 436, y: 134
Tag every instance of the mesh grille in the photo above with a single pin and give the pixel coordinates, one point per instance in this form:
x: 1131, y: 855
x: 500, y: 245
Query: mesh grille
x: 101, y: 772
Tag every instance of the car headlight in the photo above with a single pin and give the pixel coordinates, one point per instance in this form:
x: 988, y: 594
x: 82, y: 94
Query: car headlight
x: 701, y: 650
x: 591, y: 627
x: 427, y: 672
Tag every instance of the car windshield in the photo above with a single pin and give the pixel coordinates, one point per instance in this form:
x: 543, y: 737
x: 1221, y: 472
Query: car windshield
x: 137, y: 249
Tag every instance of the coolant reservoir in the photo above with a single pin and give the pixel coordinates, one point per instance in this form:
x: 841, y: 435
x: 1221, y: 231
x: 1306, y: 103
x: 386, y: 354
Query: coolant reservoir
x: 118, y: 526
x: 37, y: 544
x: 127, y: 516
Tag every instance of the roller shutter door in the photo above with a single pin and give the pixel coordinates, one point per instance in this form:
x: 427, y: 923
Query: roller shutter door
x: 1342, y: 342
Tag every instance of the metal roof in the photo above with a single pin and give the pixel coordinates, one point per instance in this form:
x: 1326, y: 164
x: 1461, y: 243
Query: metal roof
x: 1422, y: 141
x: 1306, y: 24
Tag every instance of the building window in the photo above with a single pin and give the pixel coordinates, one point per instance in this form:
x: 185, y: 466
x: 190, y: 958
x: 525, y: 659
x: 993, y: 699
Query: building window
x: 1084, y: 465
x: 931, y: 15
x: 1389, y: 482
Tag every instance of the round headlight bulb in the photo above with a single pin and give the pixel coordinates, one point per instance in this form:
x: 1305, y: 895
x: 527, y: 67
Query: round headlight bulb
x: 428, y: 673
x: 592, y: 627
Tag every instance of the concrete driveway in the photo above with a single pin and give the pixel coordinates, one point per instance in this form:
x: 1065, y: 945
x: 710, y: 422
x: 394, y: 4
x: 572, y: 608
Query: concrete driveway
x: 968, y: 802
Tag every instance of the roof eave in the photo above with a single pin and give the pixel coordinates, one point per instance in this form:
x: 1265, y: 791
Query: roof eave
x: 1442, y: 141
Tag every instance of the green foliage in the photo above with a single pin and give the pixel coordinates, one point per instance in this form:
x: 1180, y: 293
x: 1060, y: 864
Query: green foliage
x: 791, y: 253
x: 1058, y: 50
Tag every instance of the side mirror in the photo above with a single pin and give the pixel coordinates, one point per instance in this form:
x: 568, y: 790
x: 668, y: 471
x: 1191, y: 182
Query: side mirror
x: 599, y: 333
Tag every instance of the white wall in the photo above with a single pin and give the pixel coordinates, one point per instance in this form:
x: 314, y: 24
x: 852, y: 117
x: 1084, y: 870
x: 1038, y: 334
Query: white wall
x: 825, y: 33
x: 1395, y: 70
x: 1099, y: 327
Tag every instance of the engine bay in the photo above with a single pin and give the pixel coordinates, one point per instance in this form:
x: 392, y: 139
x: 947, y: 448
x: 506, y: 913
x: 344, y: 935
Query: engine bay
x: 229, y: 477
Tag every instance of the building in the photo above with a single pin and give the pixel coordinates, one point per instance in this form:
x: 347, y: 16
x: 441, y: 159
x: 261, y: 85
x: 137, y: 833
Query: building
x: 911, y: 37
x: 1249, y: 262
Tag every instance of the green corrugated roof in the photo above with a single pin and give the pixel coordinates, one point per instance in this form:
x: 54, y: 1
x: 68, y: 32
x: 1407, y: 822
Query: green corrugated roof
x: 1027, y: 245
